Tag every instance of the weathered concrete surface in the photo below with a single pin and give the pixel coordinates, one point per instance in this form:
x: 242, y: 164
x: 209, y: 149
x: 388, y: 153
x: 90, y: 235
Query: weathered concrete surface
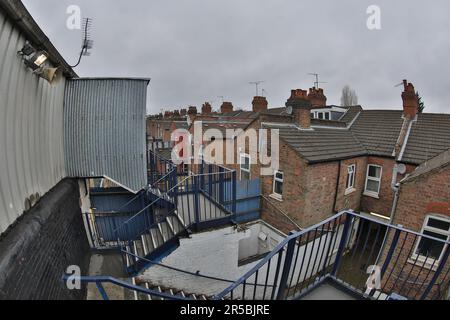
x: 107, y: 264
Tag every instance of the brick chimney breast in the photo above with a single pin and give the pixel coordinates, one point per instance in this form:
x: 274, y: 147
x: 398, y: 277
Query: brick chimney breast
x: 301, y: 108
x: 317, y: 98
x: 206, y: 108
x: 226, y: 107
x: 410, y: 100
x: 259, y: 104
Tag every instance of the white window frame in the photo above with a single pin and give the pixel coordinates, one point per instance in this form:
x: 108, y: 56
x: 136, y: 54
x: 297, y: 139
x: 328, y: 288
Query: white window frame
x: 323, y: 114
x: 275, y: 180
x: 423, y: 259
x: 351, y: 186
x: 369, y: 192
x: 241, y: 156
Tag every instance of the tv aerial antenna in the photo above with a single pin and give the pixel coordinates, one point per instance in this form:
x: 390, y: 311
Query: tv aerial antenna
x: 87, y: 43
x: 317, y: 82
x: 257, y: 83
x: 263, y: 92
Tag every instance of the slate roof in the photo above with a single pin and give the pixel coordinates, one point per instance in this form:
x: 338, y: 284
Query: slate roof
x: 378, y: 130
x: 350, y: 114
x: 321, y: 144
x: 439, y: 161
x: 429, y: 136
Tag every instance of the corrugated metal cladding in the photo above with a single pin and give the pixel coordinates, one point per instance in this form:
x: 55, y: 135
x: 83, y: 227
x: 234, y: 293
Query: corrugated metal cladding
x: 31, y: 129
x: 104, y: 133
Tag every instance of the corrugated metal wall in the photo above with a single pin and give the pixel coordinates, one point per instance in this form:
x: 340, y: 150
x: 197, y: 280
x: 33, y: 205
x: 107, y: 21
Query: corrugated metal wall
x: 104, y: 132
x: 31, y: 129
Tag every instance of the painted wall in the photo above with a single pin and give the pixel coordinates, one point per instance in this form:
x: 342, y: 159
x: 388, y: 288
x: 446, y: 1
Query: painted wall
x: 31, y: 130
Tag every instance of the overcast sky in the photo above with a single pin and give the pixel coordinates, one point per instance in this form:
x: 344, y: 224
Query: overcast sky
x: 197, y: 50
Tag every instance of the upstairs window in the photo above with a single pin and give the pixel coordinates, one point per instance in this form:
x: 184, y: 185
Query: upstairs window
x: 278, y: 184
x: 373, y: 180
x: 321, y: 115
x: 428, y: 250
x: 350, y: 185
x: 245, y: 166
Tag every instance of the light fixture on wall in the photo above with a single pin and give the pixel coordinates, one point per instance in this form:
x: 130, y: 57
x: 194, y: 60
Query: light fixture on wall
x: 35, y: 60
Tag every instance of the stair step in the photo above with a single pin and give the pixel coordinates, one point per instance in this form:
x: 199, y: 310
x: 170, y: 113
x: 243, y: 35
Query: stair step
x: 157, y: 237
x: 139, y: 248
x: 165, y: 230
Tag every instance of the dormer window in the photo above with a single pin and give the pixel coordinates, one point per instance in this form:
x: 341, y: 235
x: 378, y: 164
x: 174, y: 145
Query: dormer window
x: 324, y: 115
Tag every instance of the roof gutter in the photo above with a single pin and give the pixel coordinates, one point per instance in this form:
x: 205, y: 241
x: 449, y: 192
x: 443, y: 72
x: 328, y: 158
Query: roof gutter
x: 20, y: 17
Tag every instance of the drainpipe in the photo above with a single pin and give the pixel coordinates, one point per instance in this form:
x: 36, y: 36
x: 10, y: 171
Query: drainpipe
x: 337, y: 187
x: 395, y: 188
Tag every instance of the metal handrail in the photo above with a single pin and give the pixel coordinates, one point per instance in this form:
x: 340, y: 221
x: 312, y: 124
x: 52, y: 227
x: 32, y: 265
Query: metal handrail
x: 197, y: 274
x: 282, y: 212
x: 298, y: 234
x: 98, y: 280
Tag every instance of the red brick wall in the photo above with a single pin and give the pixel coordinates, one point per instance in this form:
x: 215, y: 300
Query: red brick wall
x: 383, y: 204
x: 351, y: 200
x: 417, y: 198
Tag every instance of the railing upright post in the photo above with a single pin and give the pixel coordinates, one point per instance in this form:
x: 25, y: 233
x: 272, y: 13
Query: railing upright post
x: 221, y: 186
x: 202, y: 171
x: 390, y: 251
x: 342, y: 244
x: 233, y: 186
x: 437, y: 273
x: 196, y: 200
x: 286, y: 269
x: 102, y: 290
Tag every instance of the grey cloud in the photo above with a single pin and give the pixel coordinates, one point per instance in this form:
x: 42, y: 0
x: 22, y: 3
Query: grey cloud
x: 197, y: 50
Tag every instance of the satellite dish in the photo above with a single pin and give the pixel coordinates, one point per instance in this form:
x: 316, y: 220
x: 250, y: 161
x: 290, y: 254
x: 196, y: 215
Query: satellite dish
x: 289, y: 109
x: 401, y: 168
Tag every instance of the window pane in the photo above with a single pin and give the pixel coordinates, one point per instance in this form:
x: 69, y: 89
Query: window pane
x: 439, y: 224
x: 320, y: 115
x: 374, y: 171
x: 245, y: 162
x: 372, y: 185
x: 278, y: 187
x: 431, y: 248
x: 279, y: 175
x: 327, y: 116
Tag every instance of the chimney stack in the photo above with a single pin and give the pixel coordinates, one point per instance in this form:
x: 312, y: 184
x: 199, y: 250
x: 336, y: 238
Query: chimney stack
x: 301, y: 108
x: 192, y: 110
x: 182, y: 112
x: 206, y: 108
x: 168, y: 114
x: 259, y: 104
x: 226, y: 107
x: 410, y: 100
x: 176, y: 113
x: 317, y: 98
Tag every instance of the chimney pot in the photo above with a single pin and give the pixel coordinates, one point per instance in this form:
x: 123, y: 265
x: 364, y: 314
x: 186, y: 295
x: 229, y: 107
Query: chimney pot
x: 192, y: 110
x: 301, y: 107
x: 317, y: 98
x: 259, y: 104
x: 226, y: 107
x: 206, y: 108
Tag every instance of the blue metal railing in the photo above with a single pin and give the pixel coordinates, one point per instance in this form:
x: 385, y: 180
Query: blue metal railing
x: 342, y: 248
x: 101, y: 280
